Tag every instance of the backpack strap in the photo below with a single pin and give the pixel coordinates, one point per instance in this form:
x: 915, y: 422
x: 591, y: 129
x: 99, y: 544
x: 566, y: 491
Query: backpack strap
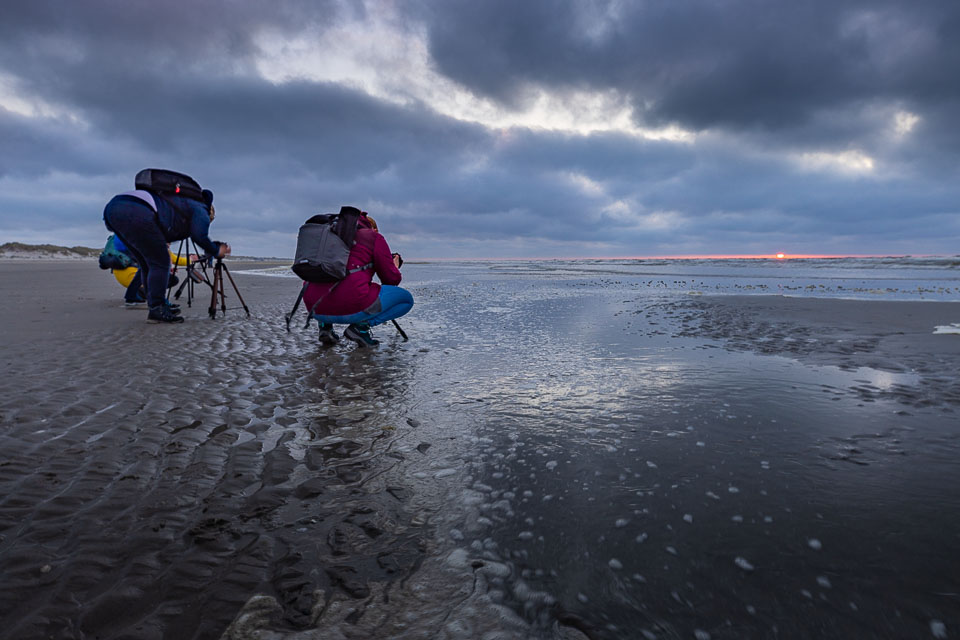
x: 313, y: 308
x: 369, y: 265
x: 144, y: 195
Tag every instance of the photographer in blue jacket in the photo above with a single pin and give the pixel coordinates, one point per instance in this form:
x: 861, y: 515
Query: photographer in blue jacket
x: 146, y: 222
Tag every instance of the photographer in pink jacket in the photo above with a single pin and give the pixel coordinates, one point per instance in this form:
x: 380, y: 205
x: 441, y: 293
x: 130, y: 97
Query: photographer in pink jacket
x: 356, y: 300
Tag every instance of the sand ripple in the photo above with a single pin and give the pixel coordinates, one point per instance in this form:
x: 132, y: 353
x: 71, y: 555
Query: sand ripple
x: 153, y: 482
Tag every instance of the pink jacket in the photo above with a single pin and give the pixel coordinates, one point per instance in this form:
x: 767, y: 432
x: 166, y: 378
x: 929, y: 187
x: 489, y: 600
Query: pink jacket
x: 357, y: 291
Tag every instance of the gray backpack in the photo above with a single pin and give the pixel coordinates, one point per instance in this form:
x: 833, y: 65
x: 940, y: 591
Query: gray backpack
x: 323, y: 246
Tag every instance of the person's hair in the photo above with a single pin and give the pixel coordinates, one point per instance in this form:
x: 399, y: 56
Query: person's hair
x: 373, y: 223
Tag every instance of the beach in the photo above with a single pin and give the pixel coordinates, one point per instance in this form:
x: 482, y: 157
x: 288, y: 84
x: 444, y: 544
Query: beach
x: 553, y: 454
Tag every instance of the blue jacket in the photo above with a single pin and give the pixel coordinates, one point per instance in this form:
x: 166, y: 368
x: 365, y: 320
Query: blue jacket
x: 192, y: 220
x: 178, y: 218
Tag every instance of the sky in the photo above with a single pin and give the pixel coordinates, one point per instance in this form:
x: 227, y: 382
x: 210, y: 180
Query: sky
x: 496, y: 128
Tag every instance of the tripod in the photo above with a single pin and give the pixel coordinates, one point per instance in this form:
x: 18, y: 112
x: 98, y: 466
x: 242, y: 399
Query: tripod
x: 193, y: 276
x: 219, y: 270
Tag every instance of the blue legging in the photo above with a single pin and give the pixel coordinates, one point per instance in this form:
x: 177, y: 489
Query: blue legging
x: 394, y: 302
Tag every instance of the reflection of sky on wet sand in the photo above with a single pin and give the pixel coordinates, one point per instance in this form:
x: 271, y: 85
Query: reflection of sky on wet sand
x: 884, y: 379
x: 654, y: 484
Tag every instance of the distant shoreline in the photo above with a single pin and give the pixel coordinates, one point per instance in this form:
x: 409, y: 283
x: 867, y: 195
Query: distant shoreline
x: 21, y: 251
x: 49, y: 252
x: 44, y: 257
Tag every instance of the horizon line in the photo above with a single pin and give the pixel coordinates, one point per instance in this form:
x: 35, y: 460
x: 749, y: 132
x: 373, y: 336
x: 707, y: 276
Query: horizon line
x: 774, y: 257
x: 763, y: 256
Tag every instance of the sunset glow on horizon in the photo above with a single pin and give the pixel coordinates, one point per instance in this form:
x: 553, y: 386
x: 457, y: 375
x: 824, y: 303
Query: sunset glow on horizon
x: 742, y: 256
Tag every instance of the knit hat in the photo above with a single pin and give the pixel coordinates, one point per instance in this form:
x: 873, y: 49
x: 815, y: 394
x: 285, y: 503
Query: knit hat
x: 370, y: 220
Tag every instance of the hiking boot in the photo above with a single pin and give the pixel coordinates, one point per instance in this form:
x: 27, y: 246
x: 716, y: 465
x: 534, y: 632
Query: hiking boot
x: 134, y: 304
x: 174, y: 308
x: 327, y: 336
x: 162, y: 314
x: 360, y: 333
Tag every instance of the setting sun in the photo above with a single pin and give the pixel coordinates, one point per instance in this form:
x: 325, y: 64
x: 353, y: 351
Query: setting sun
x: 780, y: 256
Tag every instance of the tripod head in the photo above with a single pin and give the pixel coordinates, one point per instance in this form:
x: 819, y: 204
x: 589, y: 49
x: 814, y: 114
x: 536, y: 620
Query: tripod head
x: 206, y: 260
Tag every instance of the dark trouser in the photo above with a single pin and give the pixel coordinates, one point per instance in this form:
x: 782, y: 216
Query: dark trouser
x: 135, y: 222
x: 133, y: 291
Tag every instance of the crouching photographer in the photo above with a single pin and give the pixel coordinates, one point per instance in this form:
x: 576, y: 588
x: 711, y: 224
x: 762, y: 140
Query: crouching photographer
x: 356, y: 300
x: 165, y: 206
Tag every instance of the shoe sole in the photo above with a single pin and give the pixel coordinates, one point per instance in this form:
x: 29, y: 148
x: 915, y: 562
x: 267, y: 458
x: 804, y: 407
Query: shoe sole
x: 360, y: 341
x: 155, y: 321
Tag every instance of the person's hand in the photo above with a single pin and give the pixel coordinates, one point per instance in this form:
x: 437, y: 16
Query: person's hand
x: 194, y: 257
x: 397, y: 260
x: 224, y: 250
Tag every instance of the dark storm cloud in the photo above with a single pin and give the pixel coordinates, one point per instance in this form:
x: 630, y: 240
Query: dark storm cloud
x: 150, y: 36
x: 741, y: 63
x: 777, y: 78
x: 122, y: 86
x: 311, y: 140
x: 155, y: 97
x: 35, y: 148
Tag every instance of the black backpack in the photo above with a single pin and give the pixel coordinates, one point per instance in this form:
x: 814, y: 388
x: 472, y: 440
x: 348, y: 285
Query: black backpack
x: 169, y: 183
x: 323, y: 246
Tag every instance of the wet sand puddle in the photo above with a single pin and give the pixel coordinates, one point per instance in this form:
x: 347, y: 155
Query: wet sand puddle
x: 539, y: 461
x: 637, y: 479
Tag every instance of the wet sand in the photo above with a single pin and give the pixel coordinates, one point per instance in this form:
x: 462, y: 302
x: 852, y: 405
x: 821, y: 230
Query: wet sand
x: 894, y: 336
x: 156, y: 477
x: 167, y: 481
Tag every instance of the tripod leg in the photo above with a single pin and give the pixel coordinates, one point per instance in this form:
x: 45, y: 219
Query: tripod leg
x: 296, y: 304
x: 213, y: 299
x: 175, y: 264
x: 223, y: 295
x: 237, y: 291
x: 180, y: 289
x: 405, y: 338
